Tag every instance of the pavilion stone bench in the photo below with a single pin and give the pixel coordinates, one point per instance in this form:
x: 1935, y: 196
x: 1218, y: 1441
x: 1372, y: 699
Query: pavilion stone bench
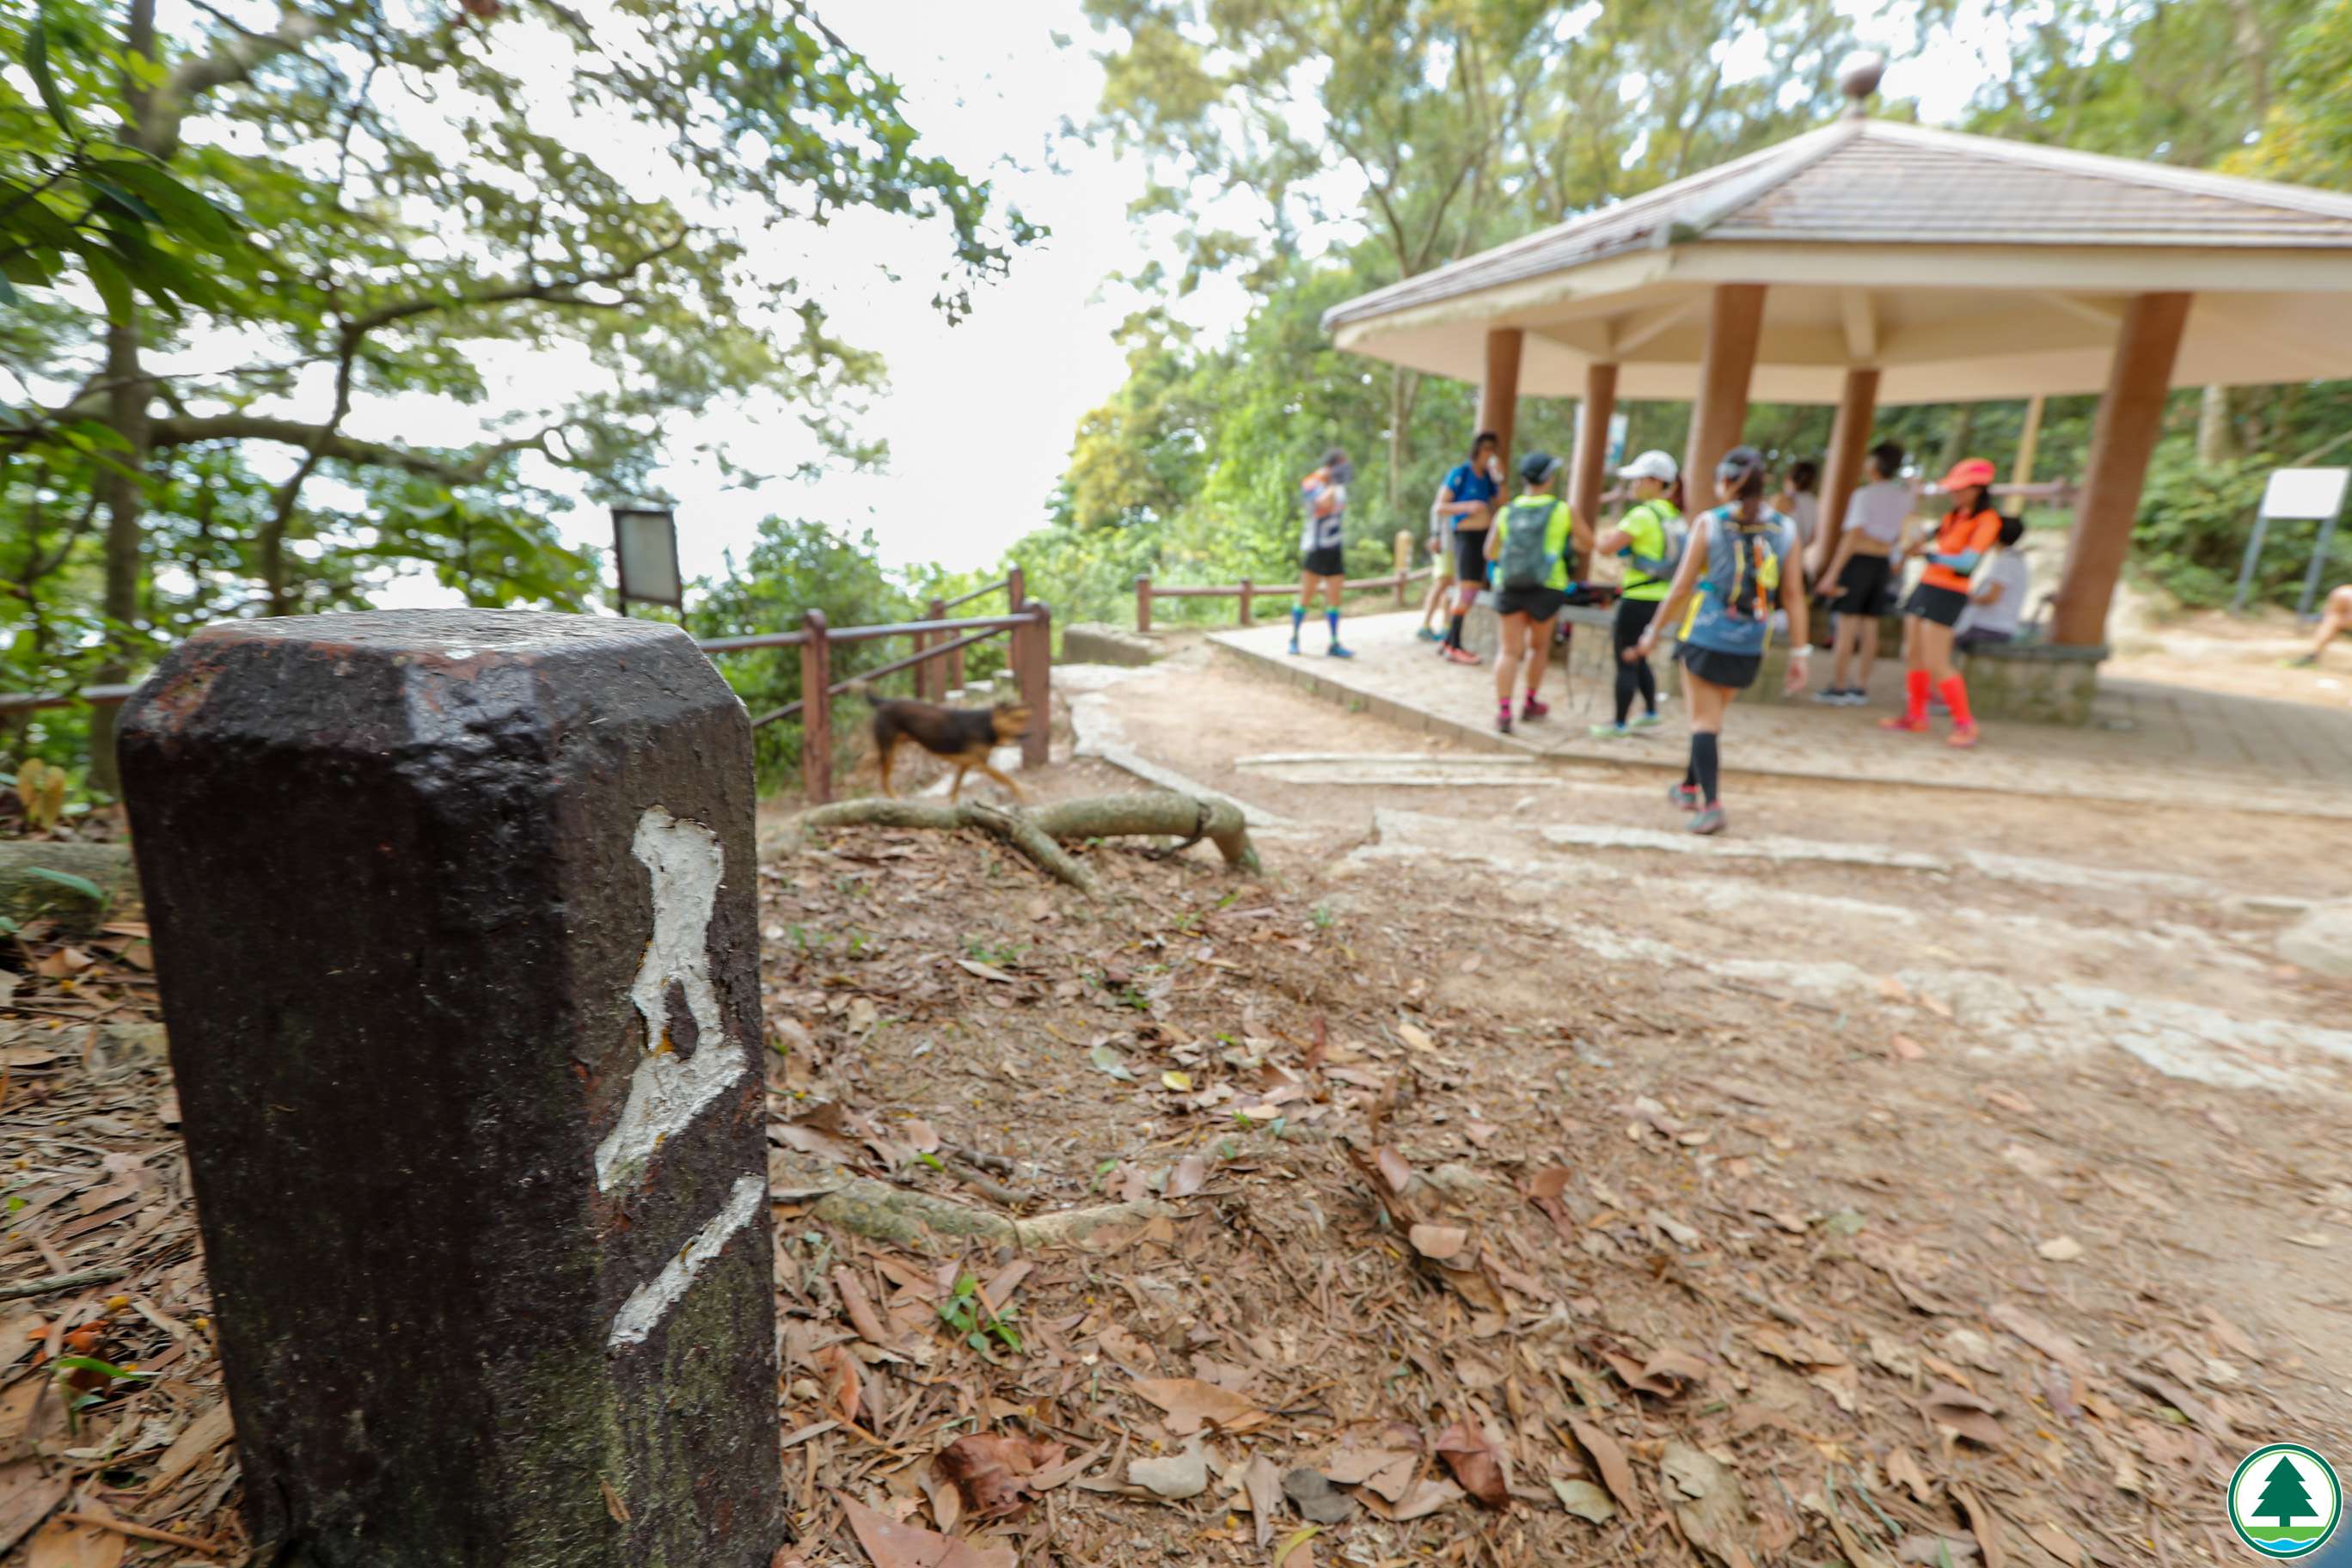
x: 2026, y: 682
x: 1588, y: 656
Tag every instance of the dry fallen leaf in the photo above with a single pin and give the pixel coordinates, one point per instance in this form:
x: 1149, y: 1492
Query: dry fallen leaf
x: 1984, y: 1524
x: 2061, y: 1249
x: 2053, y: 1342
x: 1188, y: 1176
x: 1904, y: 1471
x: 891, y: 1545
x: 1182, y: 1082
x: 1708, y: 1503
x: 1413, y: 1035
x: 1949, y: 1405
x: 1295, y: 1551
x: 1261, y: 1481
x: 1476, y: 1463
x: 990, y: 1471
x: 1191, y: 1402
x: 985, y: 971
x: 1438, y: 1241
x: 1608, y: 1457
x: 1316, y: 1499
x: 58, y: 1544
x: 1585, y: 1501
x: 2056, y: 1542
x: 1393, y: 1169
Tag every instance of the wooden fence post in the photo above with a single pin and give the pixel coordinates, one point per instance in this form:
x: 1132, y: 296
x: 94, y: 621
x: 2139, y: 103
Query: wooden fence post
x: 1033, y: 667
x: 454, y: 932
x: 816, y: 711
x: 1403, y: 562
x: 1248, y: 593
x: 931, y: 676
x: 1143, y: 604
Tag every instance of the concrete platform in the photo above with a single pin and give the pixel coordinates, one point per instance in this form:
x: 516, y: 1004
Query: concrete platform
x: 2145, y: 742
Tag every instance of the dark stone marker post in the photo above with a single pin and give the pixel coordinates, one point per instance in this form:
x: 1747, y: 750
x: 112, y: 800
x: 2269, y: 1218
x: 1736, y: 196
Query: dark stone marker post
x: 454, y: 923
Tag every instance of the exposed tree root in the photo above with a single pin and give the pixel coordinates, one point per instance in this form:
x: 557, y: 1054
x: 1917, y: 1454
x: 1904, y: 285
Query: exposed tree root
x: 1181, y: 816
x: 884, y: 1212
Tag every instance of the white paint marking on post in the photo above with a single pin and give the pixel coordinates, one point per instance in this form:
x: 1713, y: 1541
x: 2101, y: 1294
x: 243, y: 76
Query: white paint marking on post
x: 668, y: 1090
x: 650, y: 1303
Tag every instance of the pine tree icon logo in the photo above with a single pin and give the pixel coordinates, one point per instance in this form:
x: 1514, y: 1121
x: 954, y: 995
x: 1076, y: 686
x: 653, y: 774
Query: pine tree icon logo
x: 2284, y: 1501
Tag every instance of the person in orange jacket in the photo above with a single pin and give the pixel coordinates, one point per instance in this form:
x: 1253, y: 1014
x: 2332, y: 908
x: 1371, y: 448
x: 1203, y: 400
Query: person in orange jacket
x: 1960, y: 544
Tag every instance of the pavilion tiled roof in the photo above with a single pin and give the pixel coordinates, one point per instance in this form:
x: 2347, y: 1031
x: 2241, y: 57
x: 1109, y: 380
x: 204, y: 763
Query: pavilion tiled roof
x: 1877, y: 181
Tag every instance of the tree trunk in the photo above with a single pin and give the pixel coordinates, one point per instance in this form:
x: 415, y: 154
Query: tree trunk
x: 1398, y: 413
x: 128, y: 398
x: 2216, y: 435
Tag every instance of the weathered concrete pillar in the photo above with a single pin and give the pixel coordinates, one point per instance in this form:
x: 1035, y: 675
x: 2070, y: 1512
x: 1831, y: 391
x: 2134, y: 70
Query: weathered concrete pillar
x: 2122, y: 439
x: 1735, y: 322
x: 1591, y: 472
x: 1849, y: 439
x: 1498, y: 393
x: 454, y: 923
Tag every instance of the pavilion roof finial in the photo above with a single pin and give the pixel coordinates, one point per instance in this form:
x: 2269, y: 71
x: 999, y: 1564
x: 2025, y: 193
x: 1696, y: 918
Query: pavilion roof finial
x: 1858, y: 78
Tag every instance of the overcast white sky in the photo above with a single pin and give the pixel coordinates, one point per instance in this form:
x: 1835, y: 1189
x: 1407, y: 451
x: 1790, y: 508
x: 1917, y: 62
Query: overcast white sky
x: 979, y: 415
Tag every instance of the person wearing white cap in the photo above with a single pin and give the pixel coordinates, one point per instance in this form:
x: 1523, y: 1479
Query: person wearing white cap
x: 1648, y: 540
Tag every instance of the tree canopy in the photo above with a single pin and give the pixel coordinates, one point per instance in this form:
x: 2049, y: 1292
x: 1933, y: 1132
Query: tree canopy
x: 306, y: 221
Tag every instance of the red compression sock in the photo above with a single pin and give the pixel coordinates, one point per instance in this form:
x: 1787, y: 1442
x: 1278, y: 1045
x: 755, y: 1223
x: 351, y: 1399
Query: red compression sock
x: 1956, y: 697
x: 1915, y: 688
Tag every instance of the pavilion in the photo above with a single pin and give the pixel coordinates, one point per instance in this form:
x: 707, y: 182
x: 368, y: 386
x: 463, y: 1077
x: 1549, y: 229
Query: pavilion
x: 1874, y: 262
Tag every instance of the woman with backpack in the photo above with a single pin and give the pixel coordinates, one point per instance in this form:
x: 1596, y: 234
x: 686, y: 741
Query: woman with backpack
x: 1648, y: 540
x: 1742, y: 563
x: 1968, y: 533
x: 1465, y: 503
x: 1528, y: 546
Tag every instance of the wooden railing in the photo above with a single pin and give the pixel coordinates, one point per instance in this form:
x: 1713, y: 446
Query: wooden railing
x: 1249, y: 592
x: 936, y: 661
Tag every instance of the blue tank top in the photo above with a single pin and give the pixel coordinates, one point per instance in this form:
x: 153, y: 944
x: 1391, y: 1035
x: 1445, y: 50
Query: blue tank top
x: 1732, y: 610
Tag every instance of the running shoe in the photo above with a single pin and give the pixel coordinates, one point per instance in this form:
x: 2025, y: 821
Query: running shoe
x: 1335, y: 651
x: 1710, y: 821
x: 1503, y: 719
x: 1459, y: 656
x: 1610, y: 733
x: 1963, y: 736
x: 1832, y: 697
x: 2304, y: 662
x: 1531, y: 708
x: 1683, y: 794
x: 1647, y: 722
x: 1904, y: 721
x: 1855, y: 697
x: 1426, y: 635
x: 1293, y: 648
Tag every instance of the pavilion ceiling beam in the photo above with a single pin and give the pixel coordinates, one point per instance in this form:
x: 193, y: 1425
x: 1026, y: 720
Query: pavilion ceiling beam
x: 1628, y: 332
x: 1861, y: 314
x: 2084, y: 310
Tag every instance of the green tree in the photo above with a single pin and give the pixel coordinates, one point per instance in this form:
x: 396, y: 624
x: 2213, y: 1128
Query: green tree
x: 2284, y: 1497
x: 420, y: 187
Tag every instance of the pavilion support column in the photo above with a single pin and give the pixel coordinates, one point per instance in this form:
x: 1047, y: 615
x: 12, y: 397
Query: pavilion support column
x: 2131, y: 417
x: 2029, y: 441
x: 1735, y: 320
x: 1849, y: 439
x: 1592, y: 442
x: 1498, y: 395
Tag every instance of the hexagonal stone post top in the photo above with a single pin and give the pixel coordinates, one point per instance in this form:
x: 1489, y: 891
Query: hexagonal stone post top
x: 453, y: 924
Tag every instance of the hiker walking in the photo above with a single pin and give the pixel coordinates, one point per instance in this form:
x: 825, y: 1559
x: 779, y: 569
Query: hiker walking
x: 1967, y: 534
x: 1322, y: 560
x: 1739, y: 564
x: 1528, y: 545
x: 1648, y: 540
x: 1468, y: 492
x: 1468, y: 497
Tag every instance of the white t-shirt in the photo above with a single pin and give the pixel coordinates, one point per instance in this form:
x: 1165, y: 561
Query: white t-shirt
x: 1805, y: 512
x: 2007, y: 568
x: 1876, y: 511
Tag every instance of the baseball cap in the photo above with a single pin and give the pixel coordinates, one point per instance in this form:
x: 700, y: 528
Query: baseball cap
x: 1650, y: 465
x: 1966, y: 472
x: 1738, y: 463
x: 1537, y: 467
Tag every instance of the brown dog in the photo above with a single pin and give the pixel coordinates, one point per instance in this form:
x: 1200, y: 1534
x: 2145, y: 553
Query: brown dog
x: 963, y: 736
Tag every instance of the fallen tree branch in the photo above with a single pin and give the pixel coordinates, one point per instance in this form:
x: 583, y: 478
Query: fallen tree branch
x: 1181, y: 816
x: 883, y: 1213
x: 49, y: 1285
x: 1018, y: 831
x: 1036, y: 834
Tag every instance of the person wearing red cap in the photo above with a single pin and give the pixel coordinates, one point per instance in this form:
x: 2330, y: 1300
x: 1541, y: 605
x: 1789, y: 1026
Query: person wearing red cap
x: 1961, y: 542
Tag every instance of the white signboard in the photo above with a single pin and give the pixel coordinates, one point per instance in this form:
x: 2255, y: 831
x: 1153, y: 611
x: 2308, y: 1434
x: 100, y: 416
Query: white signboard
x: 2305, y: 492
x: 645, y: 549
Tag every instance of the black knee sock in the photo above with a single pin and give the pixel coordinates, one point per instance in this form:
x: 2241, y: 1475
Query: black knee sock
x: 1453, y: 631
x: 1626, y: 686
x: 1648, y: 680
x: 1703, y: 765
